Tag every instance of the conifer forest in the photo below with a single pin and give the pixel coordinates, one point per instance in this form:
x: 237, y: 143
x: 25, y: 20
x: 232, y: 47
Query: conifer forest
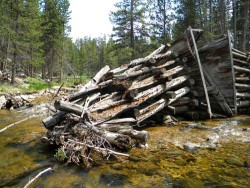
x: 34, y: 34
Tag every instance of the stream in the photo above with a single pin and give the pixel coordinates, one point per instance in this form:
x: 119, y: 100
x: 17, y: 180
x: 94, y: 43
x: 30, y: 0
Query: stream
x: 213, y: 153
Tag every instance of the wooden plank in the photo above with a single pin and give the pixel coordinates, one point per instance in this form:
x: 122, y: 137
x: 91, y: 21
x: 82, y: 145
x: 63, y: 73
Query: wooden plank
x: 178, y: 94
x: 243, y: 95
x: 201, y: 73
x: 242, y: 86
x: 241, y: 62
x: 233, y: 73
x: 241, y: 69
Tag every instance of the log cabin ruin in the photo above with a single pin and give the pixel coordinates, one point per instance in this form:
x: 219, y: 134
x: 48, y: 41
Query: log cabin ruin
x: 176, y: 80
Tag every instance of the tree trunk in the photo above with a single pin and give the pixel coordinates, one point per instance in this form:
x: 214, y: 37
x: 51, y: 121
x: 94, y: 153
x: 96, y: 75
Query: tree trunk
x: 246, y: 22
x: 235, y: 23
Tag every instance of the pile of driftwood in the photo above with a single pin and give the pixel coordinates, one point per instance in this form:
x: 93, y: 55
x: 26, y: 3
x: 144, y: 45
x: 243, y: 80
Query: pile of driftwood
x: 13, y: 102
x: 101, y: 117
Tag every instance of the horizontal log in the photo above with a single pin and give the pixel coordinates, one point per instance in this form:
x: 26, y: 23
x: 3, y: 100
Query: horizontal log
x: 153, y: 80
x: 141, y: 136
x: 172, y: 72
x: 242, y: 95
x: 53, y: 120
x: 241, y: 69
x: 245, y: 63
x: 179, y: 93
x: 149, y: 111
x: 239, y: 52
x: 185, y: 101
x: 120, y: 69
x: 114, y: 127
x: 121, y: 120
x: 148, y: 58
x: 242, y: 104
x: 127, y: 75
x: 178, y: 109
x: 242, y: 86
x: 242, y: 79
x: 235, y: 54
x: 69, y: 107
x: 166, y: 64
x: 163, y: 87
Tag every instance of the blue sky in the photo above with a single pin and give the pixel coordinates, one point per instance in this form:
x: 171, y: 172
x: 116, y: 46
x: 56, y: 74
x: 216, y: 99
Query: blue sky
x: 90, y: 18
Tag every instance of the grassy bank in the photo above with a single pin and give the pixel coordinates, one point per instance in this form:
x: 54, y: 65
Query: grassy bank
x: 31, y: 85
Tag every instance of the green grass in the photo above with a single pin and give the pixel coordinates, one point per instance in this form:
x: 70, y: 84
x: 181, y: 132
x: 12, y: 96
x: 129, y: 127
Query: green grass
x: 36, y: 84
x: 31, y: 85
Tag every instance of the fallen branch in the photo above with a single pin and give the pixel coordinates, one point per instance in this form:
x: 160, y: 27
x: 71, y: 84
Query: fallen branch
x: 37, y: 176
x: 13, y: 124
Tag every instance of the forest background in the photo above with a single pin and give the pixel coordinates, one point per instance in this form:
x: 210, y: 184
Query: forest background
x: 34, y: 34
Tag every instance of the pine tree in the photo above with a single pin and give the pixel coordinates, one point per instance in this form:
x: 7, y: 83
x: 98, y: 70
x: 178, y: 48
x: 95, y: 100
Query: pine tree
x: 129, y: 25
x: 161, y: 18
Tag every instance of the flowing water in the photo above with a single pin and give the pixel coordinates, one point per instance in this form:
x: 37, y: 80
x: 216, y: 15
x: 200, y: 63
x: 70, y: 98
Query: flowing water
x: 213, y: 153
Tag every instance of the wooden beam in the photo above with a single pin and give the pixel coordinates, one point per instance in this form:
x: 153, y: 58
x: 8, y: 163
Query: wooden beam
x: 232, y: 69
x: 242, y: 86
x: 243, y: 95
x: 241, y: 69
x: 201, y: 73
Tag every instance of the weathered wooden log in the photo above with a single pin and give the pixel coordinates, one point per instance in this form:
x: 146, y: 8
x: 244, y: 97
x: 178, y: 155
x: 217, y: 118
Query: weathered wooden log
x: 84, y: 92
x: 148, y: 58
x: 242, y: 95
x: 119, y: 140
x: 53, y: 120
x: 241, y: 69
x: 239, y: 52
x: 182, y: 101
x: 154, y: 91
x: 120, y: 69
x: 244, y: 63
x: 179, y: 93
x: 121, y: 121
x: 97, y: 78
x: 68, y: 107
x: 141, y: 136
x: 235, y: 54
x: 166, y: 64
x: 177, y: 109
x: 242, y: 79
x: 150, y: 110
x: 242, y: 86
x: 123, y: 76
x: 114, y: 127
x: 153, y: 80
x: 172, y: 72
x: 242, y: 104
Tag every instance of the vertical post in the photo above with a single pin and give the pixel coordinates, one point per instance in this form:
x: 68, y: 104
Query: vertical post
x: 201, y: 72
x: 233, y: 73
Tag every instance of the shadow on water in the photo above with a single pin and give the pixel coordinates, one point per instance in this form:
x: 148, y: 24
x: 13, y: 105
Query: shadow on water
x: 213, y: 153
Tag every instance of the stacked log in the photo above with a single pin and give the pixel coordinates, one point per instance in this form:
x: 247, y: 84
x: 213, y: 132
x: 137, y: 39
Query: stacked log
x: 103, y: 114
x: 241, y: 62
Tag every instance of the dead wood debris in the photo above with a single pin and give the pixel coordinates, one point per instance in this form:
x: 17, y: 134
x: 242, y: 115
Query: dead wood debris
x: 100, y: 120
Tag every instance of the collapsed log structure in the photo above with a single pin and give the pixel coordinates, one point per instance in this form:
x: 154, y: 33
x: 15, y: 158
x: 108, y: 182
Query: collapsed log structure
x: 173, y: 80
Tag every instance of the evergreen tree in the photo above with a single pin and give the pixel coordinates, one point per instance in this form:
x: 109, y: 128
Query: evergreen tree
x: 129, y: 26
x: 161, y: 19
x: 55, y: 19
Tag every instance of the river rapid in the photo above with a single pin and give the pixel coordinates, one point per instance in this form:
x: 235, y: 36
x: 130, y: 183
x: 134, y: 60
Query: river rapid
x: 213, y: 153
